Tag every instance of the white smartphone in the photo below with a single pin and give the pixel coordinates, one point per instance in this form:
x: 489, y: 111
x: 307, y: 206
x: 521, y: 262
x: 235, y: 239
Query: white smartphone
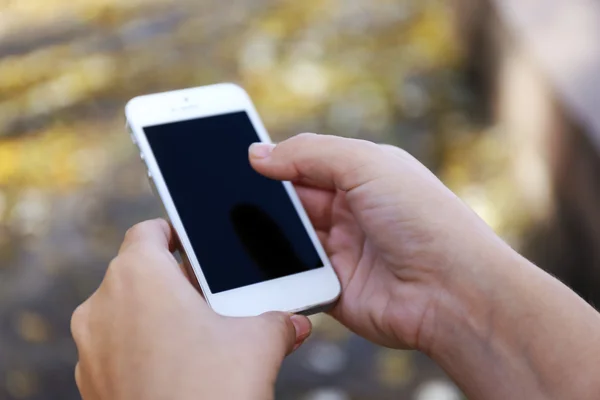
x: 248, y: 238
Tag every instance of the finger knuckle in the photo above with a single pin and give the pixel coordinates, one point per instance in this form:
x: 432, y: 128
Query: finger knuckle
x: 123, y: 268
x: 300, y: 139
x: 366, y: 147
x: 79, y: 321
x: 136, y: 230
x: 161, y: 223
x: 398, y: 152
x: 79, y: 381
x: 118, y: 277
x: 141, y: 227
x: 391, y: 148
x: 113, y: 267
x: 374, y: 155
x: 77, y: 373
x: 282, y: 325
x: 307, y: 136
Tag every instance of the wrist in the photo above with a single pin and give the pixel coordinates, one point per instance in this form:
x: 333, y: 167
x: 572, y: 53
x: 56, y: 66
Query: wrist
x: 503, y: 320
x: 464, y: 295
x: 470, y: 328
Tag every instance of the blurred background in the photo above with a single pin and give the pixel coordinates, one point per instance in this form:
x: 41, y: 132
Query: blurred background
x: 500, y: 100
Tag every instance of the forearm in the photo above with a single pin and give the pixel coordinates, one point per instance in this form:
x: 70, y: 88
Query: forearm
x: 509, y: 330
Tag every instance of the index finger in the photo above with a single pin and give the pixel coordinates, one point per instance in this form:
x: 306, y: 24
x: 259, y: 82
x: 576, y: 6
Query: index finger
x: 156, y: 233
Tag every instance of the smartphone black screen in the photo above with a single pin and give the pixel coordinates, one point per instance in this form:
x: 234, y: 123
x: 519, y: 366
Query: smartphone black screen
x: 243, y: 227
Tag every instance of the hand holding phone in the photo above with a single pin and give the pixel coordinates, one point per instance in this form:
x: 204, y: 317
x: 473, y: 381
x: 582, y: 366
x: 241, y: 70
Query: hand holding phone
x: 403, y: 245
x: 148, y: 334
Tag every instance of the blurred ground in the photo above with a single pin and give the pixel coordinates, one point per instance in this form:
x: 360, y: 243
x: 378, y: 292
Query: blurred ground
x: 391, y: 71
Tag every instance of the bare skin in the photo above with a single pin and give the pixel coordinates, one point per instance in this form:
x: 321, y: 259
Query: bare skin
x: 148, y: 334
x: 418, y: 269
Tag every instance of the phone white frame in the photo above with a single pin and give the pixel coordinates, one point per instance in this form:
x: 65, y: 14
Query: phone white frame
x: 303, y: 292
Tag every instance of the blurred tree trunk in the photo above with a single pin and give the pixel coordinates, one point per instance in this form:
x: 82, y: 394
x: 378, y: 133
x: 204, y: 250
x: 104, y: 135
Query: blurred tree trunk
x: 555, y: 162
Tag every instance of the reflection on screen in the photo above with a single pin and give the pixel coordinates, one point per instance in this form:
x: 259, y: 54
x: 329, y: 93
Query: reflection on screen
x: 242, y: 226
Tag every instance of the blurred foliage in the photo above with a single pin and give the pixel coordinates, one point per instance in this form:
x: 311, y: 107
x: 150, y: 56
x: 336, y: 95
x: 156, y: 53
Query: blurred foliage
x: 70, y: 183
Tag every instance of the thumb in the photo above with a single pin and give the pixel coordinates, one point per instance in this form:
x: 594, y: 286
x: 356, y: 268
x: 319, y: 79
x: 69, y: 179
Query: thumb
x: 289, y: 330
x: 320, y: 160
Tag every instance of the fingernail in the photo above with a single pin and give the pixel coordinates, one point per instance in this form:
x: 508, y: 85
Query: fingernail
x: 302, y: 326
x: 261, y: 150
